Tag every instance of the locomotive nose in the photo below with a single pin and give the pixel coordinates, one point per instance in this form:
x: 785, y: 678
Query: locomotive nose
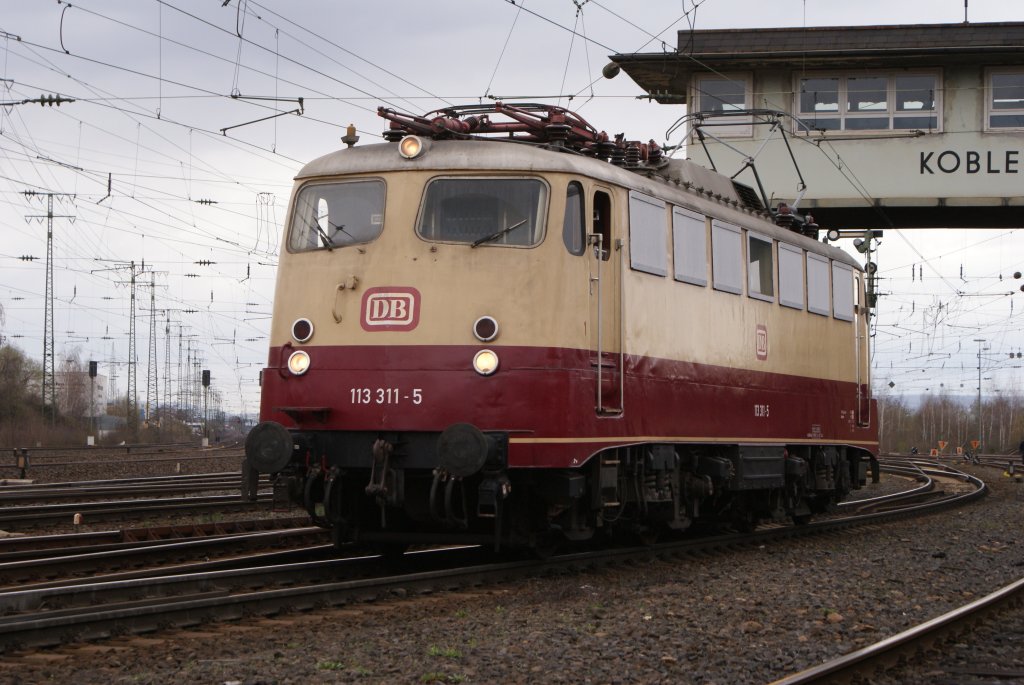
x: 268, y: 447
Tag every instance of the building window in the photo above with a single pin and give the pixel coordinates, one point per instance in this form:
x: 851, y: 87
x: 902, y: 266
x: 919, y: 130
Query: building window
x: 868, y: 102
x: 1005, y: 99
x: 915, y: 104
x: 819, y: 104
x: 723, y: 100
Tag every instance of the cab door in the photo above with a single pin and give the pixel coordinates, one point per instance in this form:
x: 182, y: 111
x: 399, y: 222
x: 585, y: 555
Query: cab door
x: 606, y: 332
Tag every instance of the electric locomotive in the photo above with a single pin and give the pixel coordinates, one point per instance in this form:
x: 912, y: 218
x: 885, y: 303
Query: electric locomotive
x: 553, y: 335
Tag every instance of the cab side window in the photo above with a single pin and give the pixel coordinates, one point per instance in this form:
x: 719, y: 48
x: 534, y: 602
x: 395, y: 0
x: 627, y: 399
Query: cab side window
x: 574, y: 225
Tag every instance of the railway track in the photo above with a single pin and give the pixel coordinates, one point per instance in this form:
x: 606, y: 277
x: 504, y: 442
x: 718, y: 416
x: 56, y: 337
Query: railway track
x: 925, y: 652
x: 16, y: 547
x: 188, y: 599
x: 34, y: 505
x: 121, y: 487
x: 98, y: 555
x: 70, y: 456
x: 31, y: 516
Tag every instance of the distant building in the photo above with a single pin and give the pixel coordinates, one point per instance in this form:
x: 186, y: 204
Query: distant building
x: 917, y: 125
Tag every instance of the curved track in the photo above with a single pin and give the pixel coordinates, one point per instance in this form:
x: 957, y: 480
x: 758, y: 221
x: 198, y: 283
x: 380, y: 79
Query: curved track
x: 860, y: 665
x: 96, y: 610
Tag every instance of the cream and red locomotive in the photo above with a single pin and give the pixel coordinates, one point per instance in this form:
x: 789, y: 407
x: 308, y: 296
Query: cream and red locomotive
x: 553, y: 335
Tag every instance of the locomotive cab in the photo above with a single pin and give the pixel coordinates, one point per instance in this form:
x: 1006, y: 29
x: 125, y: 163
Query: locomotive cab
x: 416, y: 302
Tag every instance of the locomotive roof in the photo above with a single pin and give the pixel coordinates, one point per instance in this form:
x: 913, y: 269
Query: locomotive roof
x: 672, y: 182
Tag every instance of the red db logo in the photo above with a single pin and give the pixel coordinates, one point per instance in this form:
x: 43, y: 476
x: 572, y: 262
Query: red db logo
x: 762, y: 342
x: 390, y: 309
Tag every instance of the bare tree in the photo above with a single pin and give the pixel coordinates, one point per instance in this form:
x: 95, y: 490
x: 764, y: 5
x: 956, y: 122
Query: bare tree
x: 72, y: 388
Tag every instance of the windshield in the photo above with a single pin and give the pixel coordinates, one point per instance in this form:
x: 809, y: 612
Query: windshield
x: 330, y: 215
x: 484, y: 211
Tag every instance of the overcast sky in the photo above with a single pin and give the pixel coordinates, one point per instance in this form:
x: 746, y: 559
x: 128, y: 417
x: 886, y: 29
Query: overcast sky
x: 153, y: 83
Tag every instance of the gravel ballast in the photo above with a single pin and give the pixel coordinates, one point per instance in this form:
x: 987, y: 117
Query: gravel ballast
x: 744, y: 616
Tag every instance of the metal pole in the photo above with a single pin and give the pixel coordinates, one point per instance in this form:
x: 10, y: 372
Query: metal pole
x: 980, y: 341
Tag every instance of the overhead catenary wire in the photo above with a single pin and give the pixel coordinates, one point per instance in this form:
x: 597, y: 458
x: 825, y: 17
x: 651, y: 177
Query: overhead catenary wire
x: 123, y: 137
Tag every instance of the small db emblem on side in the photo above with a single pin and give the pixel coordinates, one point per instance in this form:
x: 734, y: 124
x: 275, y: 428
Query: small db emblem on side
x: 390, y: 309
x: 762, y: 342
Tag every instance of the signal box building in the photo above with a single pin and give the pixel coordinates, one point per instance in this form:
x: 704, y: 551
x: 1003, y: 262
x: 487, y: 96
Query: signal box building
x: 905, y: 126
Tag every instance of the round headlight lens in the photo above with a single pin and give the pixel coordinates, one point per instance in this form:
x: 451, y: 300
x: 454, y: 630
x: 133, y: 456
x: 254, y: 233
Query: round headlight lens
x: 485, y: 328
x: 485, y: 362
x: 302, y: 330
x: 410, y: 147
x: 298, y: 362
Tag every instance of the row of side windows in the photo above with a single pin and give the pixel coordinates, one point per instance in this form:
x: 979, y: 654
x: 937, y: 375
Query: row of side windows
x: 861, y: 100
x: 806, y: 281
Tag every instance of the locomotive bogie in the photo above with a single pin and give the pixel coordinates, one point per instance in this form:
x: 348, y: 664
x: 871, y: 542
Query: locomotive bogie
x: 495, y: 342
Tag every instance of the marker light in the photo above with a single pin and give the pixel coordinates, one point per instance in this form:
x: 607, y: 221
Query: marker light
x: 411, y: 147
x: 485, y: 362
x: 302, y: 330
x: 298, y: 362
x: 485, y: 328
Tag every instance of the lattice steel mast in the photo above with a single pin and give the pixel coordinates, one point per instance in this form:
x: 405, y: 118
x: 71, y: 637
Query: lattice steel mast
x: 152, y: 379
x: 49, y: 388
x: 167, y: 364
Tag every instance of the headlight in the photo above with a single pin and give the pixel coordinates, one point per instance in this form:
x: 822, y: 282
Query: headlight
x: 485, y: 362
x: 410, y: 147
x: 298, y: 362
x: 302, y: 330
x: 485, y: 328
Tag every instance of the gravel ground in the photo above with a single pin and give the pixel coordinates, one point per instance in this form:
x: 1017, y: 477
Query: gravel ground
x: 746, y: 616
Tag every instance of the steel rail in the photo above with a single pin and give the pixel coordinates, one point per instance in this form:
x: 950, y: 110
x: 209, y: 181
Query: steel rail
x: 133, y: 491
x: 32, y: 515
x: 927, y: 486
x: 926, y: 491
x: 158, y: 459
x: 155, y: 550
x: 59, y: 544
x: 154, y: 577
x: 856, y: 663
x: 138, y: 480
